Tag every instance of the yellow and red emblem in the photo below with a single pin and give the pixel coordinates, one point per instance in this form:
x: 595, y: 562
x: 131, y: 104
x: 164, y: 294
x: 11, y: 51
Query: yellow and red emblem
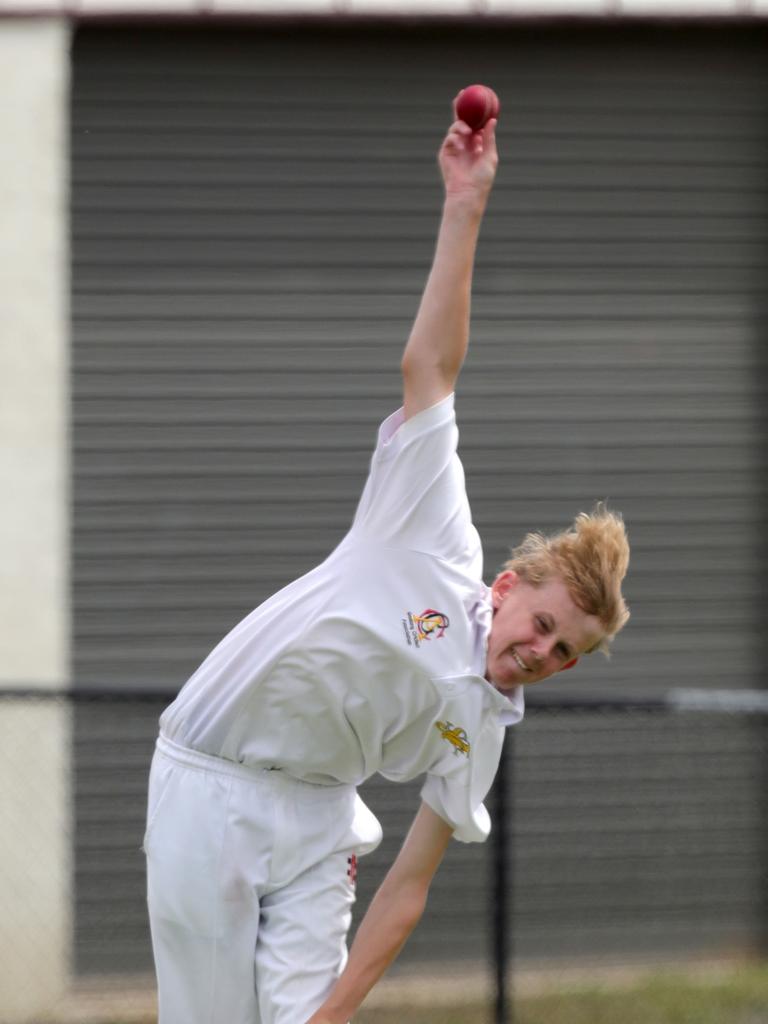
x: 431, y: 624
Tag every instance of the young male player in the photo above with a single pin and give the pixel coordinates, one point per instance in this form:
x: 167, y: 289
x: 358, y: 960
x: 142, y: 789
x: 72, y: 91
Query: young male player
x: 390, y: 657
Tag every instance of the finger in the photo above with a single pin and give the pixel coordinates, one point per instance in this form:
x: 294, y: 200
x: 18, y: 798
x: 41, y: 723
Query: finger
x: 454, y: 143
x: 489, y: 131
x: 458, y: 137
x: 486, y: 137
x: 460, y: 126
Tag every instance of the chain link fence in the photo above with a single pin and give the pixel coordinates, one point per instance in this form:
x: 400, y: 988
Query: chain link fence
x: 625, y: 833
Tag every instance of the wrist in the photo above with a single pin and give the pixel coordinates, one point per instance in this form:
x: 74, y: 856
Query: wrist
x: 335, y: 1010
x: 470, y: 196
x: 328, y: 1014
x: 468, y: 204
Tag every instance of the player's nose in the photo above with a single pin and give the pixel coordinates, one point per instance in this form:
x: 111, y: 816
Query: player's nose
x: 542, y: 648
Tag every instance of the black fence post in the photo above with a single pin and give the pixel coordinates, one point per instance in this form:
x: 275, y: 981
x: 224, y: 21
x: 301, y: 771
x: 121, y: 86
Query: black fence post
x: 501, y: 889
x: 761, y: 349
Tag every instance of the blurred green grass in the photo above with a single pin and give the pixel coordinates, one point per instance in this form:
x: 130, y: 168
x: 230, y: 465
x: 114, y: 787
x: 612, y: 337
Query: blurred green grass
x: 739, y: 998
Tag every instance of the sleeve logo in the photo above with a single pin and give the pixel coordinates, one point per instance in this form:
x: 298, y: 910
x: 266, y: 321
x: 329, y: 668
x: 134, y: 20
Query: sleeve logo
x: 456, y: 736
x: 430, y: 625
x: 352, y: 869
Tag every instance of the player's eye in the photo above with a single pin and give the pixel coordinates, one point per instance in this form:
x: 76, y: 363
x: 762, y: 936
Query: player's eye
x: 542, y: 624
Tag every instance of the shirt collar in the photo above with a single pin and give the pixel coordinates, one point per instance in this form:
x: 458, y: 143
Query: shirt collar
x: 511, y: 704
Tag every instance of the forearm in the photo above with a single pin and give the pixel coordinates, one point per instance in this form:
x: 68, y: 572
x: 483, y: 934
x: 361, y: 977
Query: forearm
x: 390, y: 919
x: 440, y: 335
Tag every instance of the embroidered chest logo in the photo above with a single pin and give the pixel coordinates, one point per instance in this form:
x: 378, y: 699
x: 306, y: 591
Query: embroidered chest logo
x: 456, y: 736
x: 430, y: 625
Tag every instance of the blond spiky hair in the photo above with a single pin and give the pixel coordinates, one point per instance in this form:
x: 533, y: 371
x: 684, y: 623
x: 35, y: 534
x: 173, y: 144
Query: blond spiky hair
x: 591, y: 558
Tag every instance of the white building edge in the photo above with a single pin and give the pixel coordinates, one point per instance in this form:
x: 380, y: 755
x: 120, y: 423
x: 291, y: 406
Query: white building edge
x: 73, y: 9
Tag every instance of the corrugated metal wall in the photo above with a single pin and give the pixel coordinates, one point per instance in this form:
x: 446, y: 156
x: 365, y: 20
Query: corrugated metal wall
x: 254, y: 213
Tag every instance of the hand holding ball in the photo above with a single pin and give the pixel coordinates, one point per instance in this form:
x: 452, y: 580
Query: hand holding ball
x: 468, y: 157
x: 476, y: 105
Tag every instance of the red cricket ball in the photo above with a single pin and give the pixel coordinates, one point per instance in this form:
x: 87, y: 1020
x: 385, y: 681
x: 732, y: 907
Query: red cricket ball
x: 476, y: 105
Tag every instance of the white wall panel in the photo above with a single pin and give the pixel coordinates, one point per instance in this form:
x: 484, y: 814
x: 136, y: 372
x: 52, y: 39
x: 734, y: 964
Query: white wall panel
x: 35, y: 924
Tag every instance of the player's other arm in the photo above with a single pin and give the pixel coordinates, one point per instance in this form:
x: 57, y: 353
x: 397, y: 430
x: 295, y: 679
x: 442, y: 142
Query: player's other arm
x: 438, y: 342
x: 391, y: 917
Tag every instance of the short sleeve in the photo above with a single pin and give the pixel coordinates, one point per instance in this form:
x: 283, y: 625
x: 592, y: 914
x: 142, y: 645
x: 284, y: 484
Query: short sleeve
x: 415, y: 496
x: 456, y: 790
x: 453, y: 804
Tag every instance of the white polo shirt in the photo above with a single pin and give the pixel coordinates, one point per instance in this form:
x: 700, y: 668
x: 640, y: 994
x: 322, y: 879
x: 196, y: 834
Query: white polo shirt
x: 373, y: 661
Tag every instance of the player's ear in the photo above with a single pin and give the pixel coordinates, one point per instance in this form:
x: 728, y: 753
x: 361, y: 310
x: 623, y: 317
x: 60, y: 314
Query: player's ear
x: 569, y: 664
x: 502, y: 585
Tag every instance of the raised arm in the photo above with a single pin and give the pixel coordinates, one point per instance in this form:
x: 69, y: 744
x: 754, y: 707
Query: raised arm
x: 438, y: 342
x: 391, y: 917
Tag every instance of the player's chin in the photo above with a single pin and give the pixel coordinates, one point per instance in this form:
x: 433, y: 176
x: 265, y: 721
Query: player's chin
x: 504, y: 678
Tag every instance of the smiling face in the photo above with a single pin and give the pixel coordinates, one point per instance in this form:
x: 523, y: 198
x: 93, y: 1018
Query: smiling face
x: 536, y: 631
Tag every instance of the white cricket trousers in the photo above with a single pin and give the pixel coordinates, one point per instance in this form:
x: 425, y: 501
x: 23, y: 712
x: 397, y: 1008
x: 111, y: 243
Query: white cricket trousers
x: 250, y: 886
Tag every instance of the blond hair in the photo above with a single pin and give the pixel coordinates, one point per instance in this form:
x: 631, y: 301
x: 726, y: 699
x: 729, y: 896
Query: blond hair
x: 591, y: 557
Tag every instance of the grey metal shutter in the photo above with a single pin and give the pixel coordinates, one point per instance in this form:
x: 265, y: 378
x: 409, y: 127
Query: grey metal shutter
x: 253, y: 217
